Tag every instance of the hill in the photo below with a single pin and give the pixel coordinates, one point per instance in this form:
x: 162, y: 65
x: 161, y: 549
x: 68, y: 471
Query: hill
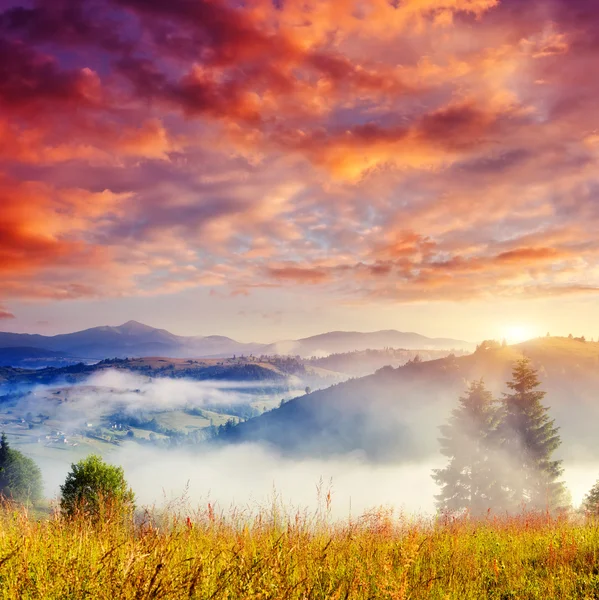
x: 286, y: 372
x: 134, y: 339
x: 364, y: 362
x: 349, y: 341
x: 395, y: 413
x: 27, y: 357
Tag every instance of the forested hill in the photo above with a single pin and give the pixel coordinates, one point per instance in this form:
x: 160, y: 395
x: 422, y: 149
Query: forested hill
x: 276, y: 370
x: 365, y: 362
x: 395, y: 413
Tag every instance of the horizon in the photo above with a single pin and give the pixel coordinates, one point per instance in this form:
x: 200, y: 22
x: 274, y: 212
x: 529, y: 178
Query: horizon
x: 136, y: 322
x: 282, y: 169
x: 519, y: 333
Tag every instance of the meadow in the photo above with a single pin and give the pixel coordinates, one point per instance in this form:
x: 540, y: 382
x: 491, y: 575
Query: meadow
x: 270, y: 555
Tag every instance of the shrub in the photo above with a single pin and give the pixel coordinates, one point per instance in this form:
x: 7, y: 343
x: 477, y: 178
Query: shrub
x: 20, y: 477
x: 92, y: 485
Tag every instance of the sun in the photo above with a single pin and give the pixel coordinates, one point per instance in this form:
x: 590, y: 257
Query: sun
x: 514, y: 334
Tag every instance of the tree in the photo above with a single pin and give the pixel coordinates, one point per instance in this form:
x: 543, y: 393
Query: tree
x: 92, y: 485
x: 470, y: 480
x: 20, y: 477
x: 590, y: 504
x: 528, y: 437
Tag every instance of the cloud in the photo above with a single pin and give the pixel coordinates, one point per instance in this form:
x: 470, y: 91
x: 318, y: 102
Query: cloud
x: 530, y: 255
x: 67, y: 22
x: 30, y: 80
x: 298, y: 274
x: 5, y: 314
x: 364, y: 149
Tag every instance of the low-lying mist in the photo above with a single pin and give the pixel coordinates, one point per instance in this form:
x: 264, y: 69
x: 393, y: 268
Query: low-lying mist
x: 110, y: 391
x: 248, y: 475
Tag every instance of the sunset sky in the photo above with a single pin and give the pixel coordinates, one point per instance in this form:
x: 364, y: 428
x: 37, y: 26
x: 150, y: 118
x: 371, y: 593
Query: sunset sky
x: 278, y: 168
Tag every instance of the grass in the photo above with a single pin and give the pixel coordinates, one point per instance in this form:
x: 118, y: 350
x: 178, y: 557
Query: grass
x: 178, y: 419
x: 214, y: 556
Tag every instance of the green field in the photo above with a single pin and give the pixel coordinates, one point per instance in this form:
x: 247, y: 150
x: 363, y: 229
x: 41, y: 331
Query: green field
x: 178, y: 419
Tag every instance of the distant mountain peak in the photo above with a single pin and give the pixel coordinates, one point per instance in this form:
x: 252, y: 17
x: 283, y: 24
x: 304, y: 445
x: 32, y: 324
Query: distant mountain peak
x: 134, y: 327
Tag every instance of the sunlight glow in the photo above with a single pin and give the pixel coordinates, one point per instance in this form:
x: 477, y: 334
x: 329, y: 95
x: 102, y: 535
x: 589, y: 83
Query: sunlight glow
x: 514, y: 334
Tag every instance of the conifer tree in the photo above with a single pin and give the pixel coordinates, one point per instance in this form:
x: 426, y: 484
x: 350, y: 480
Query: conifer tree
x: 469, y: 482
x: 590, y: 503
x: 528, y: 438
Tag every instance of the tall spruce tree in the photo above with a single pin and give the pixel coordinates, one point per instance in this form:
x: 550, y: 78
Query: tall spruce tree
x: 528, y: 438
x: 469, y: 483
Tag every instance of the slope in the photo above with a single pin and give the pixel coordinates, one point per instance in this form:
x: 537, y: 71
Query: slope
x: 395, y: 413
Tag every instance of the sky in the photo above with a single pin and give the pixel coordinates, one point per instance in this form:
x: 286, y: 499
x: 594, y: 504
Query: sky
x: 272, y: 169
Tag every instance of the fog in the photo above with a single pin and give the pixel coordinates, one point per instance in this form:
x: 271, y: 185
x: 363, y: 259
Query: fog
x: 247, y: 475
x: 250, y: 476
x: 110, y: 391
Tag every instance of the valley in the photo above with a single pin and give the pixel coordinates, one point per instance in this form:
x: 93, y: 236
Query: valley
x: 288, y: 403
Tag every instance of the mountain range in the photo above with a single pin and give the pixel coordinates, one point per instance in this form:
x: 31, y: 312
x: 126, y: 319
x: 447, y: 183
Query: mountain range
x: 134, y: 339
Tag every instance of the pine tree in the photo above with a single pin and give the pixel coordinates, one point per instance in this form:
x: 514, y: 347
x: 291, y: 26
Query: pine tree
x: 590, y: 503
x: 469, y: 482
x: 528, y: 438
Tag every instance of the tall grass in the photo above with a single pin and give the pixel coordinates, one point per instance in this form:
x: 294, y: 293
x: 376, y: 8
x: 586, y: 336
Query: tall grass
x: 273, y: 555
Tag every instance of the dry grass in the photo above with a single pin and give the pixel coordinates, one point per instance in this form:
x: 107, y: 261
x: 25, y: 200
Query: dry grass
x: 233, y: 556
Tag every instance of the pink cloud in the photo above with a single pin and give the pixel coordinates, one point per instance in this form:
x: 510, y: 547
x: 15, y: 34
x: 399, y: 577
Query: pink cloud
x: 153, y: 147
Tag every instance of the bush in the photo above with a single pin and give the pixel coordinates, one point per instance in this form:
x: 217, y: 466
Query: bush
x: 93, y: 485
x: 20, y: 477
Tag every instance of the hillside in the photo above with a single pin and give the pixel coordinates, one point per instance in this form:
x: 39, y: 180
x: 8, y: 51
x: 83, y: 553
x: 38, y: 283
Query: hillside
x: 395, y: 413
x: 26, y: 357
x: 365, y: 362
x: 284, y: 371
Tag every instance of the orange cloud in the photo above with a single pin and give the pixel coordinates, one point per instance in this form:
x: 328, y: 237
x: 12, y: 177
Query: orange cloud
x: 5, y: 314
x: 530, y: 255
x: 298, y: 274
x: 399, y: 151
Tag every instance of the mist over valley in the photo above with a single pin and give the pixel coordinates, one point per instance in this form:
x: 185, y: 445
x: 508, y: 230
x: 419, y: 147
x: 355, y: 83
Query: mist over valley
x: 240, y: 429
